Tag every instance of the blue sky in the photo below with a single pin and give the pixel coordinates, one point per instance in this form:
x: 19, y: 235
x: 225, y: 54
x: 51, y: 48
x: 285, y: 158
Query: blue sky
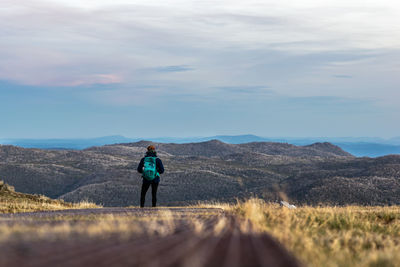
x: 192, y: 68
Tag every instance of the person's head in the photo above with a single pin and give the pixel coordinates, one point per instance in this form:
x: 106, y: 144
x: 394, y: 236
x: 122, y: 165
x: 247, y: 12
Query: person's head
x: 151, y: 148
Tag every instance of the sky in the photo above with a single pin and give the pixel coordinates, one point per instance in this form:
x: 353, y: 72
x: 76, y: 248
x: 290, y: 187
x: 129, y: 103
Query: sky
x: 300, y: 68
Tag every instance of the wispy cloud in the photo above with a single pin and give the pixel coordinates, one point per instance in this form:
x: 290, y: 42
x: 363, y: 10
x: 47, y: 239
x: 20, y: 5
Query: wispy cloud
x: 97, y: 79
x: 178, y: 68
x: 245, y: 89
x: 342, y: 76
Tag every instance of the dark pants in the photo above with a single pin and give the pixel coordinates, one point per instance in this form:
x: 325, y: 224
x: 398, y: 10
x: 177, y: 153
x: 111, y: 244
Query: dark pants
x: 145, y: 187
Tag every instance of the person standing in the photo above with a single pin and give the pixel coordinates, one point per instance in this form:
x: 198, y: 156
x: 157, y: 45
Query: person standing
x: 150, y: 167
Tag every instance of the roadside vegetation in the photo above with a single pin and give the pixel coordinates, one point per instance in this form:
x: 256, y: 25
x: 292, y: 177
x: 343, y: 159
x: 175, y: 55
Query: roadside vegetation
x: 330, y: 236
x: 14, y: 202
x: 318, y: 236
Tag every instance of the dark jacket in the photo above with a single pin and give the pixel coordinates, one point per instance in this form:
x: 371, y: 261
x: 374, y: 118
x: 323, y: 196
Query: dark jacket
x: 159, y: 166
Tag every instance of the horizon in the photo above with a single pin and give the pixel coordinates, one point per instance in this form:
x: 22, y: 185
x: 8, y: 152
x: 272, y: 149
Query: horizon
x: 184, y: 68
x: 203, y: 136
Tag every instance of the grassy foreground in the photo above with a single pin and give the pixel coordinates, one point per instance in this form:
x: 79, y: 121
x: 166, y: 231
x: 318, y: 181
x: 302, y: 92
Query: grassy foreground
x: 331, y: 236
x: 13, y: 202
x: 317, y: 236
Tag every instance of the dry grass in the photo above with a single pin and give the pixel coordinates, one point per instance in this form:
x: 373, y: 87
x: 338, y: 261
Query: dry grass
x: 160, y: 222
x: 330, y: 236
x: 212, y: 205
x: 7, y: 206
x: 14, y: 202
x: 83, y: 227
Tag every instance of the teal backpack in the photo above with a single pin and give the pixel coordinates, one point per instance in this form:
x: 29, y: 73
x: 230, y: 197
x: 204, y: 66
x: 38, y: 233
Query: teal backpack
x: 150, y: 168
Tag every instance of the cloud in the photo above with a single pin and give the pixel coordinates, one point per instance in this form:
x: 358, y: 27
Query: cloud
x: 96, y: 79
x: 342, y: 76
x: 296, y: 48
x: 178, y: 68
x: 245, y: 89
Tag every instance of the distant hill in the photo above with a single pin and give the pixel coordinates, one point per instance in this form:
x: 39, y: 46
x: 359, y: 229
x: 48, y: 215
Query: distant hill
x: 205, y: 171
x: 78, y: 143
x: 360, y: 147
x: 363, y: 149
x: 394, y: 140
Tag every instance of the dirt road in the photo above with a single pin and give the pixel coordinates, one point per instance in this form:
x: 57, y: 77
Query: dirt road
x: 142, y: 237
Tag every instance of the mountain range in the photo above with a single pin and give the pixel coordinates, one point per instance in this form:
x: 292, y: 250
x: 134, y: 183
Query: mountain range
x: 358, y: 146
x: 320, y: 173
